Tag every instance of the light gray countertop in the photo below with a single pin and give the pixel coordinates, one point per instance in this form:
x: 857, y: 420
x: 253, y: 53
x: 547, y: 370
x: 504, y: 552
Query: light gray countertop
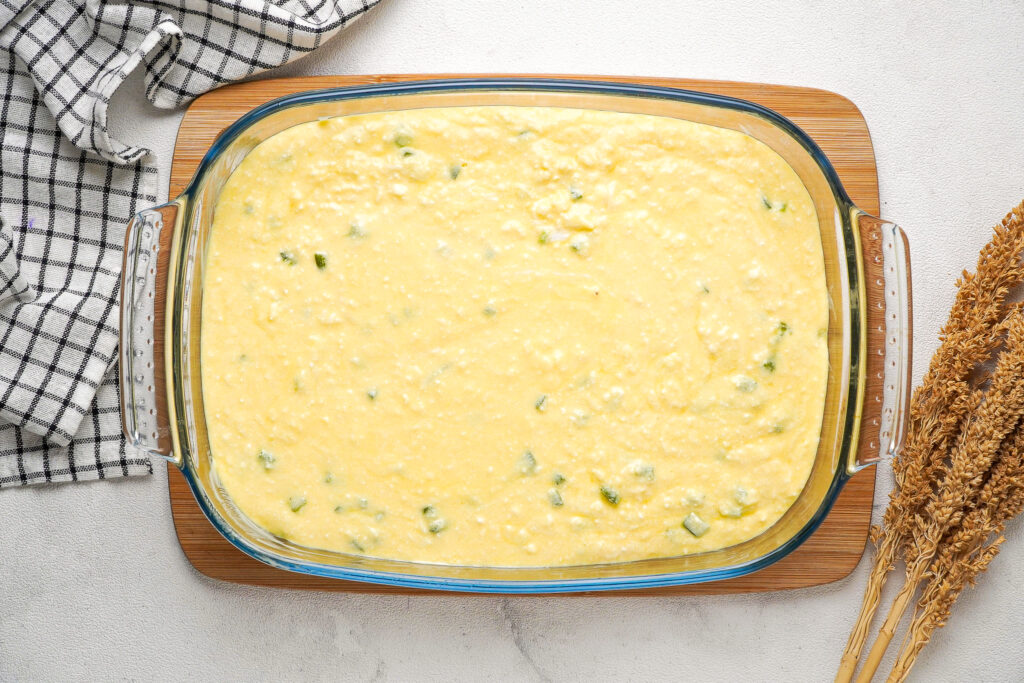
x: 93, y: 585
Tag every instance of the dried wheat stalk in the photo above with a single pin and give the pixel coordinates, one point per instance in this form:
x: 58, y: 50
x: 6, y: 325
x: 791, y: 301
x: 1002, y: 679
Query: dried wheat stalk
x: 961, y: 433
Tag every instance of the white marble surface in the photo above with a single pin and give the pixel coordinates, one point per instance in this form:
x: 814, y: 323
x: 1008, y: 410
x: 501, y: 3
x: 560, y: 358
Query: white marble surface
x: 93, y: 584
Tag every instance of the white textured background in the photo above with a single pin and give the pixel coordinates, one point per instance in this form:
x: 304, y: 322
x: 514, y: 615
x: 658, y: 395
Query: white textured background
x: 93, y: 585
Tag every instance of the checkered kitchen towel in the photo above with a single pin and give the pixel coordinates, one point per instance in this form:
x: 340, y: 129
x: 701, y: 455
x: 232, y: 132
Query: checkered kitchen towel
x: 67, y: 191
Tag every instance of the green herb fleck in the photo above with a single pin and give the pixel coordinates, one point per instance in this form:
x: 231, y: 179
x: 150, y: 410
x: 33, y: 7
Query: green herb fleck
x: 429, y: 511
x: 355, y: 231
x: 490, y: 311
x: 769, y: 364
x: 358, y: 546
x: 296, y: 503
x: 778, y: 428
x: 402, y: 139
x: 371, y: 394
x: 248, y: 208
x: 242, y: 358
x: 267, y: 458
x: 339, y: 508
x: 703, y: 288
x: 556, y: 498
x: 558, y: 478
x: 695, y: 525
x: 453, y: 171
x: 297, y: 384
x: 541, y: 404
x: 437, y: 526
x: 408, y: 151
x: 288, y: 257
x: 575, y: 194
x: 363, y: 503
x: 328, y: 478
x: 544, y: 237
x: 527, y: 463
x: 767, y: 204
x: 610, y: 495
x: 782, y: 329
x: 321, y: 260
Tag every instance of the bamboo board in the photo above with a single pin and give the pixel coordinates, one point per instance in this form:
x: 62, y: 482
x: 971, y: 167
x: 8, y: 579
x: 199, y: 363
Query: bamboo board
x: 836, y: 125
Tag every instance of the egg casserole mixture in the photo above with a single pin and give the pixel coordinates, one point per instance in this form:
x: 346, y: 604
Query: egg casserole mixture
x: 514, y: 336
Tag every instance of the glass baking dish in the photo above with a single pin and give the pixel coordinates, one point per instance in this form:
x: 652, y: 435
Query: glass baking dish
x: 161, y: 305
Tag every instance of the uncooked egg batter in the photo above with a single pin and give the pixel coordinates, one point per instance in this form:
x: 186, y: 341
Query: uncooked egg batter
x: 512, y: 336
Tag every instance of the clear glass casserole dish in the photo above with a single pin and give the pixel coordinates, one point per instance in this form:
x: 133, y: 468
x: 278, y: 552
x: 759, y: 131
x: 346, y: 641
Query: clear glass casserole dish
x: 162, y: 289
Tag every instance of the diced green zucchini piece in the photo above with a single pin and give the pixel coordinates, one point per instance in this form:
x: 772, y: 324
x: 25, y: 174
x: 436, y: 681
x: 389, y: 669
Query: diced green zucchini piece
x: 644, y: 471
x: 695, y: 525
x: 267, y: 458
x: 575, y: 193
x: 580, y: 244
x: 527, y: 463
x: 610, y: 495
x: 745, y: 384
x: 744, y: 497
x: 437, y: 526
x: 541, y: 404
x: 556, y: 498
x: 288, y: 257
x: 402, y: 139
x: 453, y: 171
x: 355, y: 231
x: 558, y: 479
x: 321, y: 260
x: 429, y: 511
x: 730, y: 510
x: 296, y: 503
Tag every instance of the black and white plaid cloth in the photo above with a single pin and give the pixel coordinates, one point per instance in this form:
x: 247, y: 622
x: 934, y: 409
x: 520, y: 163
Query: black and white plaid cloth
x: 67, y: 191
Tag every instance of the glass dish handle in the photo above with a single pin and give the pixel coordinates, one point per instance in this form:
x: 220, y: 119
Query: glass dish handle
x: 894, y: 274
x: 144, y: 415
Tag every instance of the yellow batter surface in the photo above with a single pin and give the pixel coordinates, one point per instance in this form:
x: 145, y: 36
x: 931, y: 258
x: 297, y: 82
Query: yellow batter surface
x: 514, y: 336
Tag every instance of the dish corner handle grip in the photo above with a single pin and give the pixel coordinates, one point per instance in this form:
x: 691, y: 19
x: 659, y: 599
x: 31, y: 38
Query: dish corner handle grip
x: 894, y: 272
x: 144, y: 415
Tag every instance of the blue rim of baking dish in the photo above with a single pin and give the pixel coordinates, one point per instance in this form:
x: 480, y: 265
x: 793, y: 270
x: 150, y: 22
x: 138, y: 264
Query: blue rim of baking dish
x: 503, y: 586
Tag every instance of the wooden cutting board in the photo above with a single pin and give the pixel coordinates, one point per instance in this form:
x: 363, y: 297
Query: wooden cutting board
x: 833, y: 121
